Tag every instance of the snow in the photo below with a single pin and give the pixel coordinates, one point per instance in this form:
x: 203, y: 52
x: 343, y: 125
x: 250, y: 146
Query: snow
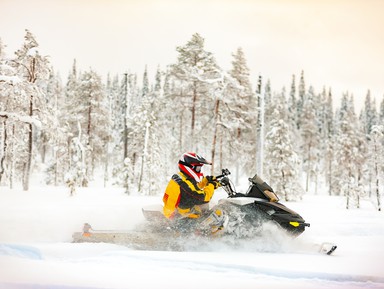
x: 36, y: 250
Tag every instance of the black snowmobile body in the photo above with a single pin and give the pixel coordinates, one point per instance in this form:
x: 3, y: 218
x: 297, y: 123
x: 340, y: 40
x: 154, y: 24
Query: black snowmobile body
x: 260, y: 204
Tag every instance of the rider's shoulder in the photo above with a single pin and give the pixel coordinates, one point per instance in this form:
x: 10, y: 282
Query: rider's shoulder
x: 177, y: 177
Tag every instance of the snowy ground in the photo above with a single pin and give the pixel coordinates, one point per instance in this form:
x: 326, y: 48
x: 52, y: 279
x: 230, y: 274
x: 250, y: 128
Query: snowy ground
x: 36, y: 249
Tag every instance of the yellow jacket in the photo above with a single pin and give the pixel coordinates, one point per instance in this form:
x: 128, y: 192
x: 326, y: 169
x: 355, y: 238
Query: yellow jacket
x: 183, y: 196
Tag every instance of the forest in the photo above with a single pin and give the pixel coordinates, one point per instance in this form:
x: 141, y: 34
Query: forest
x: 129, y: 130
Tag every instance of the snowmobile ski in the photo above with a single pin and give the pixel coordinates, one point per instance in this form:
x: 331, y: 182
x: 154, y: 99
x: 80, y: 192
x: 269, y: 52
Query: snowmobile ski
x: 139, y: 240
x: 327, y: 248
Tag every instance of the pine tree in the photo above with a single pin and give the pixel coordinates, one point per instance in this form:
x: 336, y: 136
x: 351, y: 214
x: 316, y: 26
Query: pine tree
x: 310, y: 137
x: 145, y: 87
x: 196, y: 76
x: 149, y: 113
x: 292, y: 104
x: 301, y: 100
x: 368, y: 116
x: 6, y: 88
x: 87, y: 123
x: 282, y: 162
x: 117, y: 150
x: 168, y: 148
x: 377, y: 160
x: 327, y: 135
x: 381, y: 112
x: 268, y: 104
x: 146, y: 120
x: 172, y: 119
x: 349, y: 155
x: 33, y: 69
x: 53, y: 140
x: 95, y: 119
x: 71, y: 102
x: 238, y: 113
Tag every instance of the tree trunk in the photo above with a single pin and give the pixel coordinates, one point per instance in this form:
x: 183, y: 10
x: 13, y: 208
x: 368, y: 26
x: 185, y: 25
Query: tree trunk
x: 308, y: 169
x: 56, y: 173
x: 4, y: 150
x: 330, y: 172
x: 193, y: 111
x: 348, y: 190
x: 181, y: 133
x: 286, y: 197
x: 217, y: 104
x: 89, y: 155
x: 144, y: 158
x: 27, y: 167
x: 377, y: 176
x: 44, y: 141
x: 13, y: 161
x: 125, y: 113
x: 378, y: 193
x: 260, y: 129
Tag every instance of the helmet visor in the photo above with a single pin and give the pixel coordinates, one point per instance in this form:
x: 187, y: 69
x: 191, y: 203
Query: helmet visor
x: 197, y: 169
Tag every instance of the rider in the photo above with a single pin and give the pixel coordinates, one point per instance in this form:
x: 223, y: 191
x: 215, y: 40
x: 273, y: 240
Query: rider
x: 188, y: 190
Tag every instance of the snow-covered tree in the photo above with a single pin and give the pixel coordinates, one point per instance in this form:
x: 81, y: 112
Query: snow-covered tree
x: 196, y: 76
x: 368, y: 115
x: 87, y: 120
x: 268, y: 105
x: 328, y: 138
x: 7, y: 80
x: 381, y: 112
x: 301, y: 99
x: 292, y: 103
x: 376, y: 159
x: 76, y: 175
x: 349, y: 154
x: 281, y: 160
x: 27, y: 99
x: 53, y: 140
x: 94, y: 119
x: 310, y: 134
x: 238, y: 113
x: 147, y: 117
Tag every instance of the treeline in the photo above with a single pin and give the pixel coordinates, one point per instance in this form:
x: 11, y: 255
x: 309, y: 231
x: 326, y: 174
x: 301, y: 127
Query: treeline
x: 131, y: 134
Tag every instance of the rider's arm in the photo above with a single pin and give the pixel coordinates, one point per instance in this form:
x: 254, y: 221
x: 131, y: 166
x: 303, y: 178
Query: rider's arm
x: 207, y: 189
x: 171, y: 199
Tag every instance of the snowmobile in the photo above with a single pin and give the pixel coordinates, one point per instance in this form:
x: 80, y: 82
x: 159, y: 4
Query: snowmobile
x: 239, y: 216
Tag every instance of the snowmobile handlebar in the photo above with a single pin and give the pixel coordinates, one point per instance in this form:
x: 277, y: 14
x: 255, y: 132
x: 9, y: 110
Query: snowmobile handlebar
x: 225, y: 182
x: 224, y: 173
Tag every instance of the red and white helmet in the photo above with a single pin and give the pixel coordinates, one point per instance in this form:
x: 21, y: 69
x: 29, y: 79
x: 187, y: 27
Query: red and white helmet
x: 191, y: 163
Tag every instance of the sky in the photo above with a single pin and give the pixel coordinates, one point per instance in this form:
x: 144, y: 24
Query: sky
x: 338, y: 44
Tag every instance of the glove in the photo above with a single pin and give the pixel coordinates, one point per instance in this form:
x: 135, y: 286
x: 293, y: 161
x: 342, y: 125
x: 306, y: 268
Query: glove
x: 212, y: 180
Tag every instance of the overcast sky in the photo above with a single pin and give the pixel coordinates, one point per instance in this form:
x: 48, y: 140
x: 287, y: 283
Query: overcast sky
x: 338, y: 43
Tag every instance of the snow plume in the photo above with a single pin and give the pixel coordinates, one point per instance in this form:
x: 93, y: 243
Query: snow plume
x: 268, y: 239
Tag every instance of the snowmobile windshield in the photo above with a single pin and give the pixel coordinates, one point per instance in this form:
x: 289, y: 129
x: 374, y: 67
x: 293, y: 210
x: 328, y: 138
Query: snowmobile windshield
x: 260, y: 189
x: 260, y: 182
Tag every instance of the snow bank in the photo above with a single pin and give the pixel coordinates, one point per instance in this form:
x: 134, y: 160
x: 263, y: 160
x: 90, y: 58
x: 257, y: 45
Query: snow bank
x: 36, y: 249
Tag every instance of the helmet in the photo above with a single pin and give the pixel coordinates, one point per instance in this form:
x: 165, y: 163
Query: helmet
x: 191, y: 163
